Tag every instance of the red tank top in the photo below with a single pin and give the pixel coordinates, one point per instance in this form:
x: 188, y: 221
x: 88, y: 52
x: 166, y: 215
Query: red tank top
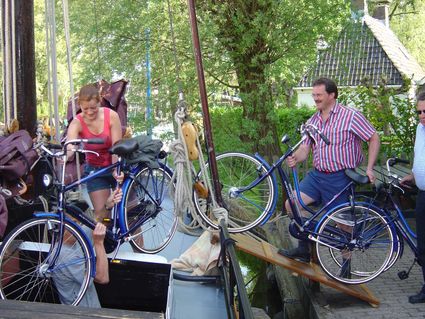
x: 104, y: 158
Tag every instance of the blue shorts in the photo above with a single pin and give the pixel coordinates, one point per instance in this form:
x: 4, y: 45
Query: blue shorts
x: 322, y: 187
x: 104, y: 181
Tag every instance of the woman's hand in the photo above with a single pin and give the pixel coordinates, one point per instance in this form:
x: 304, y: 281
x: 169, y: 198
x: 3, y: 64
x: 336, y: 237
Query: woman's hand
x: 114, y: 198
x: 119, y: 178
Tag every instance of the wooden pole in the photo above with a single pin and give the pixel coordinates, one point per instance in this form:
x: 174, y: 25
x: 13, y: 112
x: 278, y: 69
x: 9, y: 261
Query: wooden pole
x: 25, y: 66
x: 19, y: 65
x: 204, y: 102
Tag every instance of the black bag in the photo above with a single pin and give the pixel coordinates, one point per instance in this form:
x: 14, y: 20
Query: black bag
x: 147, y: 151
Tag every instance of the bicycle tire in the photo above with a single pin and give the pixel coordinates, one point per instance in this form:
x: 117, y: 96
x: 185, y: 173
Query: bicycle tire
x: 158, y: 230
x: 24, y: 263
x: 366, y: 240
x: 245, y: 210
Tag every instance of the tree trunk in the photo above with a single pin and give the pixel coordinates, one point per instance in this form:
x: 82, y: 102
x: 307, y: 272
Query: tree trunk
x: 258, y: 109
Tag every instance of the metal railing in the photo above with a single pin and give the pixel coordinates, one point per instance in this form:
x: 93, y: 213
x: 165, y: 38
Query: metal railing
x: 234, y: 285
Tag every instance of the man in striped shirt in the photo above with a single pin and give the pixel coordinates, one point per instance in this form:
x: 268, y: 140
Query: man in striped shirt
x: 346, y: 129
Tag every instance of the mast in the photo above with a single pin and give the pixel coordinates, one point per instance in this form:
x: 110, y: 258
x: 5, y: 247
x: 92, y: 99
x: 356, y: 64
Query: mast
x: 204, y: 102
x: 19, y: 63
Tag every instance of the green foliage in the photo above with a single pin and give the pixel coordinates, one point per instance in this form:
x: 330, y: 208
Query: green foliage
x: 290, y: 121
x: 407, y: 23
x: 391, y: 112
x: 227, y: 123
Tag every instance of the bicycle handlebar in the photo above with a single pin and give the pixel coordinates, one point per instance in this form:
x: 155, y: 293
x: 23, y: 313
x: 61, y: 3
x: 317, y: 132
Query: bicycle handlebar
x: 310, y: 129
x: 85, y: 140
x: 52, y: 146
x: 394, y: 178
x: 48, y: 147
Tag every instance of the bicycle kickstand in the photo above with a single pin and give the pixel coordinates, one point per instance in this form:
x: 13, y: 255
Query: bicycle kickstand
x: 116, y: 250
x: 405, y: 274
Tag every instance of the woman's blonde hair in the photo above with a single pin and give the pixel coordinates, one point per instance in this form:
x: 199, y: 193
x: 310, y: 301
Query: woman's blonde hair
x: 88, y: 93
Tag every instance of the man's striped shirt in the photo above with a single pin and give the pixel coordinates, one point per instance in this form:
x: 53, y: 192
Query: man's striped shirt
x: 345, y: 128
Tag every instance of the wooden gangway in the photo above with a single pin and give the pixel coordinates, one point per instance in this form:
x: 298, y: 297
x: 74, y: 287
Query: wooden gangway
x: 265, y: 251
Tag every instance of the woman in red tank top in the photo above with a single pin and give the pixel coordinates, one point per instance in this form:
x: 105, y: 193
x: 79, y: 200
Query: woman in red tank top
x: 97, y: 122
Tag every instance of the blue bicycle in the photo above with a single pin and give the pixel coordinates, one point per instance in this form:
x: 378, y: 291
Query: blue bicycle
x: 354, y: 236
x: 40, y: 252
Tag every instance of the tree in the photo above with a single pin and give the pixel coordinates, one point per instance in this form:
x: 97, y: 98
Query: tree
x: 407, y: 22
x: 264, y: 42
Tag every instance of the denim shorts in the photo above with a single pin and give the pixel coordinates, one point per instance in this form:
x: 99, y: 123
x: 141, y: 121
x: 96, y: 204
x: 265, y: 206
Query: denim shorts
x: 104, y: 181
x: 322, y: 187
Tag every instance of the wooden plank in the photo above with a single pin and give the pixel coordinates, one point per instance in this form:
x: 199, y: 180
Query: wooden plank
x: 37, y: 310
x: 268, y: 252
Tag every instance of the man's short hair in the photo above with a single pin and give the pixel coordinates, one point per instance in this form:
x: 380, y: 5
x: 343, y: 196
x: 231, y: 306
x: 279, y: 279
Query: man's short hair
x: 421, y: 96
x: 330, y: 86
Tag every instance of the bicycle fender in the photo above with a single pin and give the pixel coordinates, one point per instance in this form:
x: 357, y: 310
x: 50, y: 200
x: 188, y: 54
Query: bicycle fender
x: 78, y: 227
x: 364, y: 204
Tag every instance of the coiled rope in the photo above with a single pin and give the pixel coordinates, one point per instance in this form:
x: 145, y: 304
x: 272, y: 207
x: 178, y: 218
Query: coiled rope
x: 183, y: 178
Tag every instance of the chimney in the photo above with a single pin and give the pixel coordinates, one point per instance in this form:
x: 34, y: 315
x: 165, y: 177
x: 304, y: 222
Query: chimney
x: 359, y: 5
x: 381, y: 10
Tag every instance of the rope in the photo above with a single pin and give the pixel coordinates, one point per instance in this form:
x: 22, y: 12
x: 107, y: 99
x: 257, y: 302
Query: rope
x: 99, y: 74
x: 54, y: 68
x: 183, y: 190
x: 49, y: 72
x: 45, y: 203
x: 15, y: 104
x: 71, y: 82
x: 9, y: 74
x: 183, y: 193
x: 219, y: 212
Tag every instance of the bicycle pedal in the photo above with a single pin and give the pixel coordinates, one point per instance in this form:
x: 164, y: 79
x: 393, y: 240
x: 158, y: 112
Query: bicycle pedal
x: 109, y: 245
x: 403, y: 275
x: 107, y: 222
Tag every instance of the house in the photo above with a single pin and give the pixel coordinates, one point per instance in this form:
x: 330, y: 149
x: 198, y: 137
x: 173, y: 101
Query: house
x: 366, y: 49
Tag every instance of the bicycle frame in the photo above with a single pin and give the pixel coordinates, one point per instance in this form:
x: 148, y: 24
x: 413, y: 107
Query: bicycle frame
x: 289, y: 190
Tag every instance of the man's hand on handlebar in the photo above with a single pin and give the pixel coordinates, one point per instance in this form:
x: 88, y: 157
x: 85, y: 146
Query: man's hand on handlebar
x: 407, y: 181
x: 291, y: 161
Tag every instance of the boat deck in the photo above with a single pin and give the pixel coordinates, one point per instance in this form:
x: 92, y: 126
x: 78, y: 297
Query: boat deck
x: 135, y: 283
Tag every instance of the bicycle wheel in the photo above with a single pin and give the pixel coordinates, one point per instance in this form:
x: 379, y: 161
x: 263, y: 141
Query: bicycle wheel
x: 26, y: 255
x: 149, y: 198
x: 355, y: 245
x: 397, y: 251
x: 246, y: 209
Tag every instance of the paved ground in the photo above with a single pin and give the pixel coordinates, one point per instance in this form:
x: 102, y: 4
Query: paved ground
x: 388, y: 288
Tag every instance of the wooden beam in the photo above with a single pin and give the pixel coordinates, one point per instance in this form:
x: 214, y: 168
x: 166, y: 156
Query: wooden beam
x: 268, y: 252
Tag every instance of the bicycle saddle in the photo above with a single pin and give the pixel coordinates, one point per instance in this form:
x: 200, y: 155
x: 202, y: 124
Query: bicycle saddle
x: 124, y: 147
x: 356, y: 177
